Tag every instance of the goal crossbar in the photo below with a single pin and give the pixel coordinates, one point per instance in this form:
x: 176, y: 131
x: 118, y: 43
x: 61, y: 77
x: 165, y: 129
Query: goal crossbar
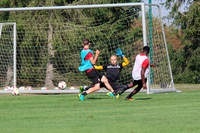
x: 72, y: 7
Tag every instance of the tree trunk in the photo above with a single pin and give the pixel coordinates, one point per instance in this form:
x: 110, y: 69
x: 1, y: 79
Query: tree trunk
x: 49, y: 75
x: 9, y: 76
x: 49, y: 70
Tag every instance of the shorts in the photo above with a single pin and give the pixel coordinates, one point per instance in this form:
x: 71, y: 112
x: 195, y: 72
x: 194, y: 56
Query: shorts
x: 138, y: 82
x: 94, y: 76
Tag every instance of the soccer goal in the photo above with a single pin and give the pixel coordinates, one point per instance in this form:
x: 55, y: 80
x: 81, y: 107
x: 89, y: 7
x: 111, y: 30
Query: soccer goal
x: 49, y: 42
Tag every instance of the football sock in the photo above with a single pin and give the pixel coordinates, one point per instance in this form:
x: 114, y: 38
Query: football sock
x: 115, y: 92
x: 84, y: 93
x: 130, y: 95
x: 87, y: 88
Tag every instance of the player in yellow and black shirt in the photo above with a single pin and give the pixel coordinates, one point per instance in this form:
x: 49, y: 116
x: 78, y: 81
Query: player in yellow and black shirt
x: 113, y: 72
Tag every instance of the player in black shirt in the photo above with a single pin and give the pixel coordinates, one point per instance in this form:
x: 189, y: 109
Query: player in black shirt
x: 113, y: 72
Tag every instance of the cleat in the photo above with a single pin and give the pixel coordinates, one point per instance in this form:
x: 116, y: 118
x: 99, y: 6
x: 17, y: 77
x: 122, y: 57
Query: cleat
x: 117, y: 96
x: 82, y: 89
x: 107, y: 94
x: 82, y: 97
x: 110, y: 94
x: 130, y: 99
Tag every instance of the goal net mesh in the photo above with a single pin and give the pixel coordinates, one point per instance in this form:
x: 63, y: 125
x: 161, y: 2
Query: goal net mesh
x: 6, y: 54
x: 49, y: 43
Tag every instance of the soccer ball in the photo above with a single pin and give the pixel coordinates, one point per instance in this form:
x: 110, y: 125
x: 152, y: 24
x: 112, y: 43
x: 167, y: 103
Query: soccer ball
x: 62, y: 85
x: 15, y: 91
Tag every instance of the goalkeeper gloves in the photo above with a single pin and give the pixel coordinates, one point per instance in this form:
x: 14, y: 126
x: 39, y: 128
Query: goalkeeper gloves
x: 119, y: 52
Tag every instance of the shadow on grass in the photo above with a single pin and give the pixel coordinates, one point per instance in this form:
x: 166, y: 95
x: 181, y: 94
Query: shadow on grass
x: 143, y: 98
x: 96, y: 98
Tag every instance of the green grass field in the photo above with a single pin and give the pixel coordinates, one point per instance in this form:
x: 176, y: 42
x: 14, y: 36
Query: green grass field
x: 155, y: 113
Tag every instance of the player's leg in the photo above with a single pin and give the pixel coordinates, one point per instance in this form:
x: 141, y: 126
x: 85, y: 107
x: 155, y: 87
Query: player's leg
x: 93, y: 89
x: 95, y: 78
x: 90, y: 90
x: 136, y: 90
x: 123, y: 88
x: 82, y: 88
x: 106, y: 83
x: 114, y: 86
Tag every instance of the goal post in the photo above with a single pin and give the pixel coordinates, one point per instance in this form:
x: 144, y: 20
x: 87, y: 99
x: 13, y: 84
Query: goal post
x: 156, y: 34
x: 8, y: 54
x: 49, y: 41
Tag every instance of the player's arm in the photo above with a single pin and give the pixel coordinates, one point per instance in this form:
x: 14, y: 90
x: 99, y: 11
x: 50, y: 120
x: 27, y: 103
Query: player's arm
x: 126, y: 62
x: 93, y: 60
x: 99, y: 67
x: 143, y: 78
x: 120, y: 53
x: 145, y: 65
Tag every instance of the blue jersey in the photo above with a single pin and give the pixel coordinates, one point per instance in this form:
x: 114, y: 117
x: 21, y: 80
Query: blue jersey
x: 85, y: 64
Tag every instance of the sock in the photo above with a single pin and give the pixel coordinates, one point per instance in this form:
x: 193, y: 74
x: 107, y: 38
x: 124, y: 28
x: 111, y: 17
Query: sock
x: 86, y: 88
x: 115, y: 92
x: 84, y: 93
x: 130, y: 95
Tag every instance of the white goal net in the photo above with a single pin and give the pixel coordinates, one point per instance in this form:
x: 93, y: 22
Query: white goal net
x: 49, y: 41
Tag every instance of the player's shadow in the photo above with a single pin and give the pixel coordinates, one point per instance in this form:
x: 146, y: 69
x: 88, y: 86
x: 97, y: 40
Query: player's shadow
x: 96, y: 98
x: 143, y: 98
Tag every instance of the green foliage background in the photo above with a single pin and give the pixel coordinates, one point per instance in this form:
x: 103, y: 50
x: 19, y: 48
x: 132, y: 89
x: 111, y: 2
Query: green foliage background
x: 186, y: 60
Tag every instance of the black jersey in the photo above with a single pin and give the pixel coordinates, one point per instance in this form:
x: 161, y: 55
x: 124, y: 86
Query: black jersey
x: 112, y: 71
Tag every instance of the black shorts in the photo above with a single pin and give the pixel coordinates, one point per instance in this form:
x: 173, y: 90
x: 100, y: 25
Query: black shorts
x: 138, y: 82
x: 94, y: 76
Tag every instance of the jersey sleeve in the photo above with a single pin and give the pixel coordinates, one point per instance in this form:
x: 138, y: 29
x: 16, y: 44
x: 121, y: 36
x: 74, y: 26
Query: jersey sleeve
x: 98, y: 67
x: 145, y: 63
x: 88, y: 56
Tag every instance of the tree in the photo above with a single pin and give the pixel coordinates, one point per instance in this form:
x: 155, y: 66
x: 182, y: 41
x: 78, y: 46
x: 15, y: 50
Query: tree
x: 188, y: 23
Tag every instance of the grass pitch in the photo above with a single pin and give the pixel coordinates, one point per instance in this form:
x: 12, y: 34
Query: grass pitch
x: 155, y: 113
